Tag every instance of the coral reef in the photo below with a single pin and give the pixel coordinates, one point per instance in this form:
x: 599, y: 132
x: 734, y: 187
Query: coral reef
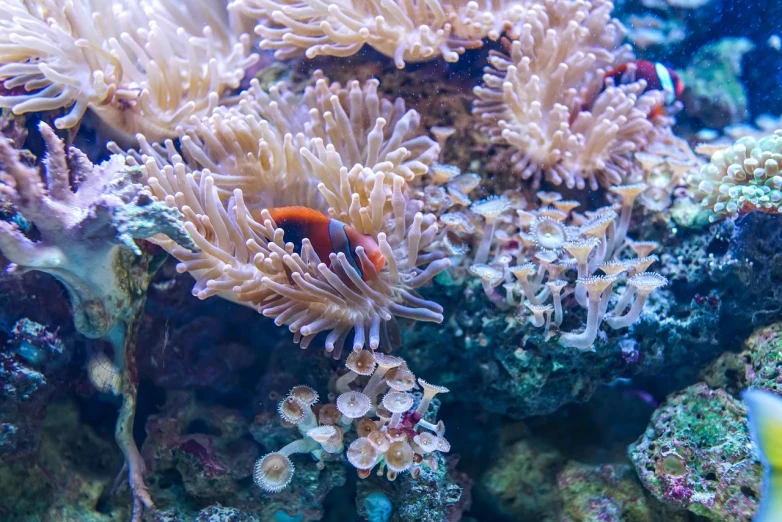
x: 610, y: 493
x: 86, y: 233
x: 210, y: 465
x: 68, y: 477
x: 401, y: 439
x: 523, y: 484
x: 758, y: 365
x: 697, y: 454
x: 351, y: 175
x: 86, y: 239
x: 552, y: 240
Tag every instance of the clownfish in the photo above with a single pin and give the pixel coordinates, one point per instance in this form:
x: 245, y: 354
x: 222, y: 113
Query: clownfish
x: 658, y: 78
x: 765, y: 426
x: 328, y: 236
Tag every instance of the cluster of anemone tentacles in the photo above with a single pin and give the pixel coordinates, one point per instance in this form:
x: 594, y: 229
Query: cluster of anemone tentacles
x: 390, y: 432
x: 342, y: 151
x: 547, y: 260
x: 544, y: 99
x: 741, y: 178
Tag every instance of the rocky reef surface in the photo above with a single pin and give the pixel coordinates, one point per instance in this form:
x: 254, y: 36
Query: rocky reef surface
x: 123, y: 397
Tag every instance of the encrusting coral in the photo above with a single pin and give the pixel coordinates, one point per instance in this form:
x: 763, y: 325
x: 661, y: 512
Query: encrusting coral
x: 742, y: 178
x: 345, y: 153
x: 544, y: 97
x: 141, y: 66
x: 390, y: 433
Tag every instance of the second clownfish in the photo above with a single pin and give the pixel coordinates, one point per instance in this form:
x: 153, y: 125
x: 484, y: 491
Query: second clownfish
x: 328, y: 236
x: 658, y: 78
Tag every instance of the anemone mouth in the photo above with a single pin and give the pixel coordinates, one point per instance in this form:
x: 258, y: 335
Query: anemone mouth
x: 548, y: 233
x: 399, y: 379
x: 362, y: 362
x: 379, y: 440
x: 426, y: 441
x: 291, y: 409
x: 362, y: 454
x: 353, y: 404
x: 329, y: 414
x: 305, y: 394
x: 397, y: 402
x: 399, y: 456
x: 273, y: 472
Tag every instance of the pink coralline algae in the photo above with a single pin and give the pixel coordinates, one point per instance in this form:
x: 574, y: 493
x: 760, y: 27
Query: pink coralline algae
x: 697, y: 454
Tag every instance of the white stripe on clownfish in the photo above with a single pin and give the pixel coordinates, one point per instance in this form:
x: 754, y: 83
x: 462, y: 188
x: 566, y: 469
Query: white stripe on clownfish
x: 666, y: 82
x: 341, y: 243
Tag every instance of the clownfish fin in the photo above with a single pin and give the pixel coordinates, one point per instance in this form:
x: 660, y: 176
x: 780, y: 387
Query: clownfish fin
x: 765, y: 423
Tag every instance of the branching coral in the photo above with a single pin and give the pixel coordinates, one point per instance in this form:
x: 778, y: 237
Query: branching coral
x: 544, y: 97
x: 79, y: 230
x: 742, y: 178
x: 390, y: 433
x: 353, y: 173
x: 549, y: 243
x: 141, y: 66
x: 86, y: 239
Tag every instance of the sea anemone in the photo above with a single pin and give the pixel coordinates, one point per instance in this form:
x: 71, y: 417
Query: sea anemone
x: 141, y: 66
x: 245, y: 257
x: 543, y: 98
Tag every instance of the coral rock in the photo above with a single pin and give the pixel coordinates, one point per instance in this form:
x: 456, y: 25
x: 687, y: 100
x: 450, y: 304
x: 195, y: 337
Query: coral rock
x: 697, y: 454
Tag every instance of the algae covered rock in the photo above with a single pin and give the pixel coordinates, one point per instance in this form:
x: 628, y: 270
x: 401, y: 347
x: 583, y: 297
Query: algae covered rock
x: 759, y: 365
x: 714, y: 93
x: 697, y: 454
x: 30, y: 376
x: 609, y: 493
x: 68, y: 478
x: 522, y: 484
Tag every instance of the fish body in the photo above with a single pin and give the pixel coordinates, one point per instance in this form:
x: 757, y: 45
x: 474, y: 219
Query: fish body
x: 658, y: 78
x: 328, y: 236
x: 765, y: 423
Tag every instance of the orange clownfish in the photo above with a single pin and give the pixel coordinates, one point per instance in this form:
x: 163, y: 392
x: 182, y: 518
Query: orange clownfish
x: 658, y: 78
x: 329, y: 236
